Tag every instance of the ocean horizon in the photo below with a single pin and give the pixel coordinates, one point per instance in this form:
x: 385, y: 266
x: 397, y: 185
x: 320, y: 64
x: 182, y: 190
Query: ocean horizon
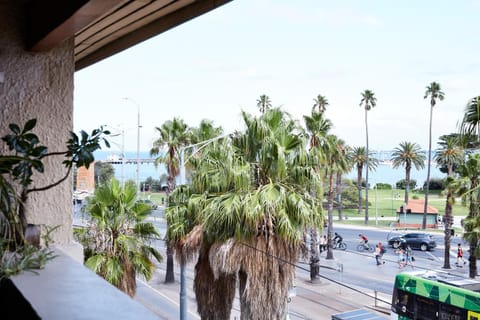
x: 384, y: 173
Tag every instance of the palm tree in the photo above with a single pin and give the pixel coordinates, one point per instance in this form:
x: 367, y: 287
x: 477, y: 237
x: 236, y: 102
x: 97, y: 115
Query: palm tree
x: 470, y: 124
x: 470, y: 185
x: 368, y: 101
x: 317, y: 127
x: 253, y: 195
x: 264, y: 103
x: 434, y: 92
x: 335, y: 161
x: 408, y: 154
x: 117, y: 240
x: 174, y: 134
x: 358, y: 157
x: 448, y: 155
x: 345, y: 151
x: 320, y: 103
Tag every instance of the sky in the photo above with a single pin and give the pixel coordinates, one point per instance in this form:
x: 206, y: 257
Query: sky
x: 219, y: 64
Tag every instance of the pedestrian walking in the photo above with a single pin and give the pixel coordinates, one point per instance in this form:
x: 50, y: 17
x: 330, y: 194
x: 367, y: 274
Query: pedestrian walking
x: 400, y: 258
x: 382, y: 250
x: 460, y: 259
x: 376, y: 254
x: 409, y: 259
x: 323, y: 243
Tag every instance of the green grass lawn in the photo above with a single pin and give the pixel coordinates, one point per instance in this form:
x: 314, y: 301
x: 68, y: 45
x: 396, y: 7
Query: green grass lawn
x: 384, y: 204
x: 158, y: 198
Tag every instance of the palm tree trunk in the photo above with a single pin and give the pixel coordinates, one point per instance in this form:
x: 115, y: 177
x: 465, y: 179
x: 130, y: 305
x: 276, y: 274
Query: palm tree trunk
x: 473, y: 213
x: 407, y: 183
x: 214, y: 296
x: 314, y: 256
x: 366, y: 170
x: 169, y: 275
x: 266, y: 273
x: 425, y: 207
x: 338, y: 190
x: 330, y: 215
x: 359, y: 187
x: 448, y: 226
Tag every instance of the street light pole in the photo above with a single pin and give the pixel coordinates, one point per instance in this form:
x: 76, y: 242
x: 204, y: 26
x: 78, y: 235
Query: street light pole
x: 138, y: 144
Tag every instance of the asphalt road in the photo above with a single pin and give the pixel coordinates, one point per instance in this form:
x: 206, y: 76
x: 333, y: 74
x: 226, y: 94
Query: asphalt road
x: 349, y: 281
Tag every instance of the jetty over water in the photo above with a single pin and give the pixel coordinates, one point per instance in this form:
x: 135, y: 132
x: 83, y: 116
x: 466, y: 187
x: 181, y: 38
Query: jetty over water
x: 129, y: 161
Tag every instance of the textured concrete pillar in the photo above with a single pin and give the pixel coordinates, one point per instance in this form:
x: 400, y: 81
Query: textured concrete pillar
x: 39, y: 85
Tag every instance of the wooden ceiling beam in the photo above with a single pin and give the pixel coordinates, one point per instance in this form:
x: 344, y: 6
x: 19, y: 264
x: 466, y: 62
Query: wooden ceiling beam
x: 53, y: 21
x: 147, y: 31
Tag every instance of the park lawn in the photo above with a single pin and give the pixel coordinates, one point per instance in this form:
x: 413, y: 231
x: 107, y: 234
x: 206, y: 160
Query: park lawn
x: 159, y: 198
x: 385, y: 203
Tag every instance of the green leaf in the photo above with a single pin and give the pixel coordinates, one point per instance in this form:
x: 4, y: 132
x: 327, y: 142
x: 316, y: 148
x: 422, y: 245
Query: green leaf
x: 29, y: 125
x: 15, y: 128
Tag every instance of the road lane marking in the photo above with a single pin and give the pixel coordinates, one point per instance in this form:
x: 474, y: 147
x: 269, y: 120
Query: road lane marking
x: 166, y: 297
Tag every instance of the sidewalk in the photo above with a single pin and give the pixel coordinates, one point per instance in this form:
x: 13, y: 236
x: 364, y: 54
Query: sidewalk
x: 312, y: 301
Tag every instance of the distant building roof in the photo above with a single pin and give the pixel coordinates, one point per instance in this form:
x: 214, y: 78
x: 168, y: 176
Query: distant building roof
x: 416, y: 206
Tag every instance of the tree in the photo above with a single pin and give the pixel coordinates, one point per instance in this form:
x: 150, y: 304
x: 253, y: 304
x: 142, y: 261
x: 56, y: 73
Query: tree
x: 470, y: 124
x: 449, y: 154
x: 470, y: 172
x: 469, y: 185
x: 117, y: 239
x: 264, y: 103
x: 20, y: 244
x: 434, y: 92
x: 345, y: 150
x: 103, y: 172
x: 408, y: 154
x: 335, y: 160
x: 174, y: 134
x: 368, y: 101
x: 251, y: 196
x: 317, y: 127
x: 358, y: 158
x: 320, y: 103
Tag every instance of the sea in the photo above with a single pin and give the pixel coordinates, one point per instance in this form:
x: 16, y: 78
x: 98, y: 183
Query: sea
x: 384, y: 173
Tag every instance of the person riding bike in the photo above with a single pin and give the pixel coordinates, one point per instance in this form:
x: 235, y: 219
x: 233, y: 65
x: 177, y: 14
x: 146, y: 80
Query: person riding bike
x: 337, y: 239
x: 363, y: 240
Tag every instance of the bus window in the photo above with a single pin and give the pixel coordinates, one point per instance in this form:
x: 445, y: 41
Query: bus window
x: 426, y: 309
x: 449, y: 312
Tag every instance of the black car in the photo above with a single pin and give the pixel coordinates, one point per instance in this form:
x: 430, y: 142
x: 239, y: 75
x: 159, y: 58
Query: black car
x: 422, y: 241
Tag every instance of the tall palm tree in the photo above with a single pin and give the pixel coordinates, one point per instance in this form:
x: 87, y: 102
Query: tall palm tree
x: 469, y: 172
x: 368, y: 101
x: 335, y: 161
x: 264, y: 103
x: 253, y: 196
x: 449, y: 154
x: 117, y: 240
x: 345, y: 154
x: 358, y: 158
x: 470, y: 124
x: 317, y: 127
x: 174, y: 134
x: 320, y: 103
x: 434, y: 92
x: 408, y: 154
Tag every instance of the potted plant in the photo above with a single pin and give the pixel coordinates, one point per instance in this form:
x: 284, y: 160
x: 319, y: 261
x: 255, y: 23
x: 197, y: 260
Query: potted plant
x: 20, y: 247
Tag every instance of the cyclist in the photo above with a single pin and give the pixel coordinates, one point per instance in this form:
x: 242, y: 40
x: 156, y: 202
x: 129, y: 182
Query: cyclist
x: 337, y: 239
x: 363, y: 240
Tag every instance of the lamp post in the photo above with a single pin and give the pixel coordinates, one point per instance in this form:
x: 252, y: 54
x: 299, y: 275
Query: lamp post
x: 138, y: 143
x: 183, y: 290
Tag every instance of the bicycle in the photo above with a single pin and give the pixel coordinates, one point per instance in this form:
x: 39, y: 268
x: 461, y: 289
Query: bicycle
x: 340, y: 245
x: 362, y: 246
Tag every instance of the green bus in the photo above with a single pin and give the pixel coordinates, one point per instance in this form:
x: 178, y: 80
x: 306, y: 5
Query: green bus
x: 430, y: 295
